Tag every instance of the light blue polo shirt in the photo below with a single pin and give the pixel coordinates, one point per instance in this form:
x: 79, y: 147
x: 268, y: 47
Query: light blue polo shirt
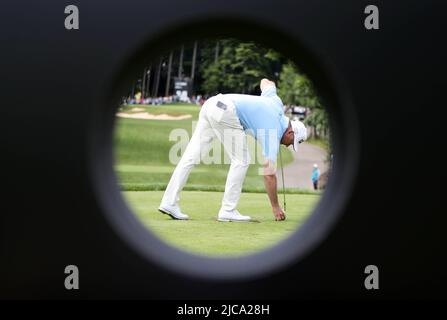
x: 262, y: 117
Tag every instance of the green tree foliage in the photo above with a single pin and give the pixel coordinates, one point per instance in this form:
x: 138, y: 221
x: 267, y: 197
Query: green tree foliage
x: 239, y: 66
x: 318, y: 120
x: 295, y: 88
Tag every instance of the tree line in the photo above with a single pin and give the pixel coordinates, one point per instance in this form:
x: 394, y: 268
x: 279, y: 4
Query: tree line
x: 230, y: 65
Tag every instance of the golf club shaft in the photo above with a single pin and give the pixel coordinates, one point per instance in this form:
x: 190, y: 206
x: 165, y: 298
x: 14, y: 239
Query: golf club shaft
x: 282, y: 175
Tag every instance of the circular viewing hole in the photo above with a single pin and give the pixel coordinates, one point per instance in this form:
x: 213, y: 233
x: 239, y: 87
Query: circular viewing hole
x: 167, y: 92
x: 175, y: 96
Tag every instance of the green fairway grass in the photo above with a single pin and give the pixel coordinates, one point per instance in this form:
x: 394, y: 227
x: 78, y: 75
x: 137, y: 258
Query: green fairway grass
x: 142, y: 152
x: 143, y: 171
x: 202, y: 234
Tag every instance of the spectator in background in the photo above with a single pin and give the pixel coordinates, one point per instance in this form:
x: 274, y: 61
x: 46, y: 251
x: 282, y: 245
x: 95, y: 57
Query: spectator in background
x: 198, y: 99
x: 138, y: 98
x: 315, y: 176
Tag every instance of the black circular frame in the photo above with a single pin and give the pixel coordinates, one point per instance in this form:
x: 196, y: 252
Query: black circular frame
x: 336, y: 97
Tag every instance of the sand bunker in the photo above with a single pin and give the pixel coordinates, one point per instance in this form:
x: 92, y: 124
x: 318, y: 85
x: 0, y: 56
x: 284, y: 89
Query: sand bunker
x: 137, y: 109
x: 149, y: 116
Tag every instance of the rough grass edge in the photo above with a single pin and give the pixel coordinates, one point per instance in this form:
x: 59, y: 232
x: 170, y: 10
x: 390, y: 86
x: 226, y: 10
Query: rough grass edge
x: 198, y: 187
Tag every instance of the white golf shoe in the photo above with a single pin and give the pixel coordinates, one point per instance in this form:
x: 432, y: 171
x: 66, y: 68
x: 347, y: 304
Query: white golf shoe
x: 232, y: 215
x: 173, y: 211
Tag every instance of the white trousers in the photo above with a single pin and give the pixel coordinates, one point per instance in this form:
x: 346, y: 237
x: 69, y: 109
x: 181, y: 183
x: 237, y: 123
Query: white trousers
x: 217, y: 118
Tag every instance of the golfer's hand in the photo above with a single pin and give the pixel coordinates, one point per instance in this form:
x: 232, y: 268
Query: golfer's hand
x: 279, y: 214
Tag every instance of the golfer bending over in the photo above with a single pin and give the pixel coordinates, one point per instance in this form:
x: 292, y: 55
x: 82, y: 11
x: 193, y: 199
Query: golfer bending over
x: 228, y: 117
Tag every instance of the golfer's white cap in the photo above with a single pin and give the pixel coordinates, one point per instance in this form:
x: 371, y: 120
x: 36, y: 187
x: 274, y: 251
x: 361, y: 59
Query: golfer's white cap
x: 315, y: 165
x: 300, y: 133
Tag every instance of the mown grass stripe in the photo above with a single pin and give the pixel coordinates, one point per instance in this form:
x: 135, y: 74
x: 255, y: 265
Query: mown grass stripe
x: 198, y: 187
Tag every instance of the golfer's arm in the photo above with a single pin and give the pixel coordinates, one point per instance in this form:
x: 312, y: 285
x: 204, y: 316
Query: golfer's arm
x: 270, y: 187
x: 270, y: 184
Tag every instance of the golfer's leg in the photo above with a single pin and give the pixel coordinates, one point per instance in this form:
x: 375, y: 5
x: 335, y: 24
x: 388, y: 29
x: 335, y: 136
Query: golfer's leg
x: 235, y: 144
x: 200, y: 140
